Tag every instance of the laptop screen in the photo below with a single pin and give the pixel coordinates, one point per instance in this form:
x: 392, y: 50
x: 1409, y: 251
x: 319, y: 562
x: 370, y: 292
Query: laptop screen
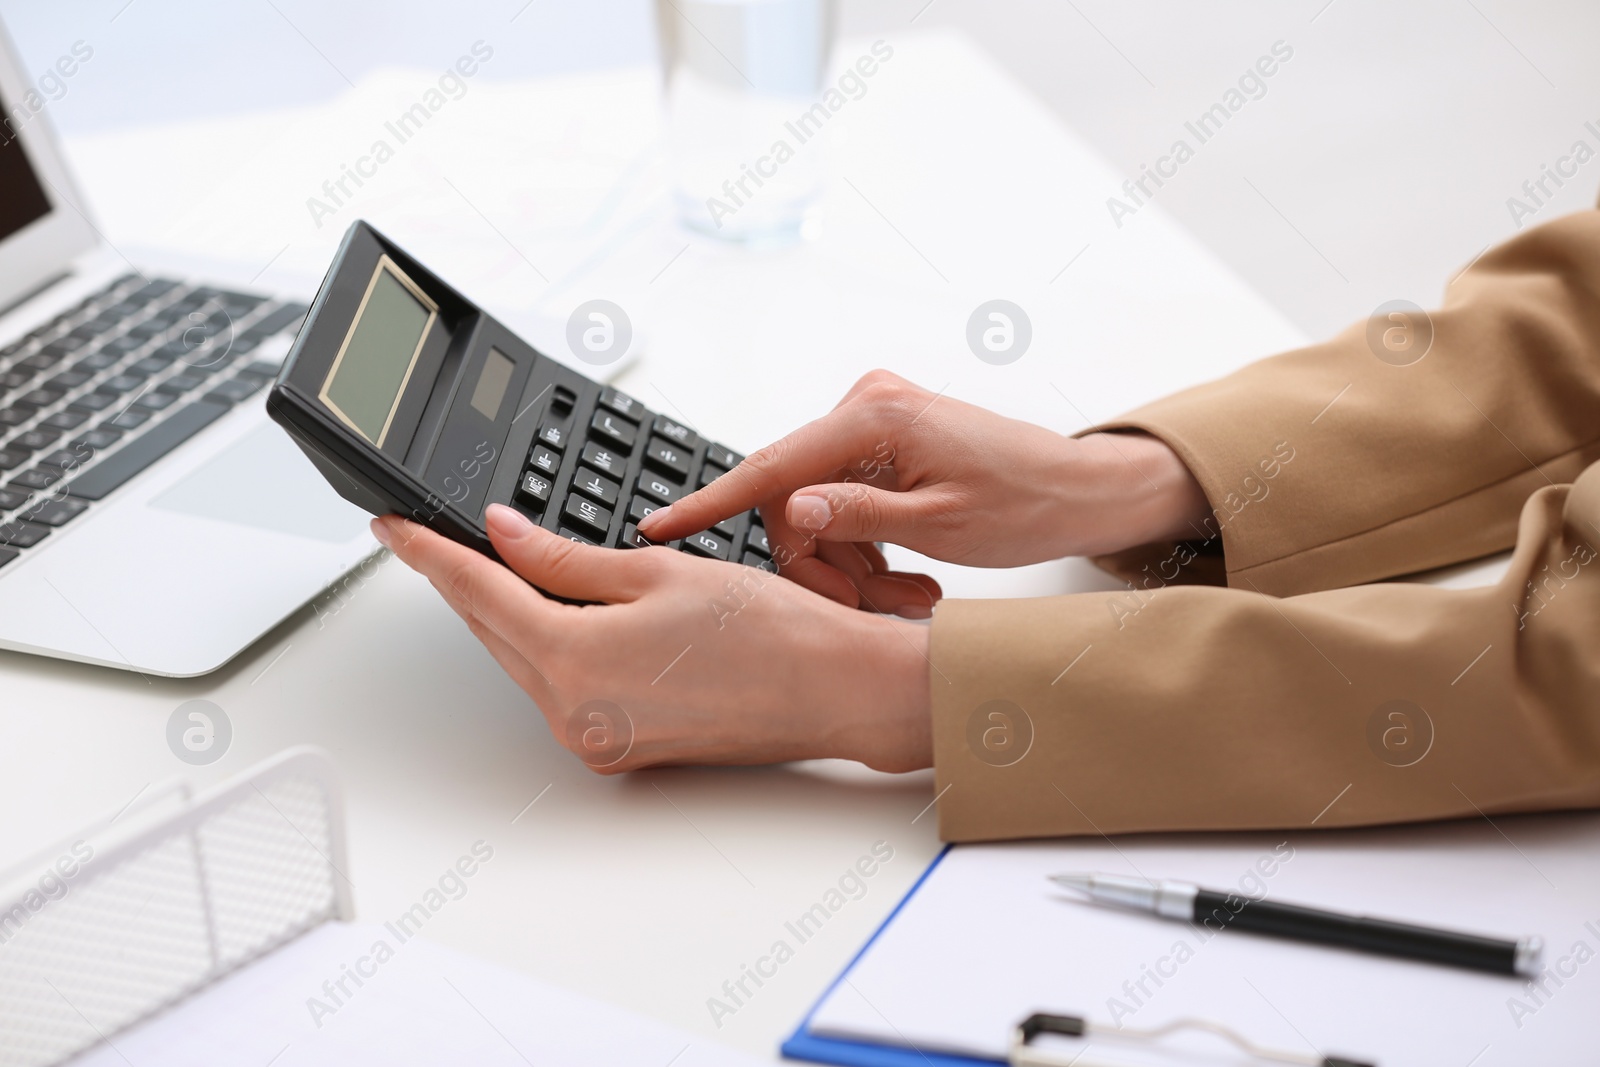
x: 22, y: 199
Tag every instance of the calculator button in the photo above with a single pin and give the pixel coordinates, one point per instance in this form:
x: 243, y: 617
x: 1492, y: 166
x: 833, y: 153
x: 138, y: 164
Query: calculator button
x: 710, y: 473
x: 543, y: 460
x: 760, y: 563
x: 573, y: 536
x: 632, y: 538
x: 598, y: 486
x: 12, y: 498
x: 535, y: 486
x: 676, y: 431
x: 668, y: 458
x: 553, y: 434
x: 725, y: 528
x: 621, y: 403
x: 603, y: 459
x: 707, y: 544
x: 756, y: 541
x: 652, y: 486
x: 587, y: 513
x: 613, y: 430
x: 640, y: 507
x: 723, y: 456
x: 12, y: 457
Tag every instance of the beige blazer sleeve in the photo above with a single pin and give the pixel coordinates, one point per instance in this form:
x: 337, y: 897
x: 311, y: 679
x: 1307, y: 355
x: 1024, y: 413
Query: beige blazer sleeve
x: 1297, y: 697
x: 1352, y: 461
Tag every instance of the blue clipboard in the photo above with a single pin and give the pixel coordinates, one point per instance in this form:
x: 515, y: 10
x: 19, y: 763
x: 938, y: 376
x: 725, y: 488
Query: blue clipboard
x: 804, y: 1045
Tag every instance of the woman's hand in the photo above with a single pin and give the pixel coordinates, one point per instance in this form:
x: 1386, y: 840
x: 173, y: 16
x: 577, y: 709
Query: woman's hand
x: 894, y: 462
x: 684, y: 660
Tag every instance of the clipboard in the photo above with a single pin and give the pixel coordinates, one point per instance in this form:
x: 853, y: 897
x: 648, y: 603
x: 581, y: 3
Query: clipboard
x: 805, y: 1045
x: 939, y: 984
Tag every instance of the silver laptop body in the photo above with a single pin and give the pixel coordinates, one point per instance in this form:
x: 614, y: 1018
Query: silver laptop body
x: 151, y: 518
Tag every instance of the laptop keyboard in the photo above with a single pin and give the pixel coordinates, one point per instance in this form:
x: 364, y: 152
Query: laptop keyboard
x: 596, y: 469
x: 110, y: 386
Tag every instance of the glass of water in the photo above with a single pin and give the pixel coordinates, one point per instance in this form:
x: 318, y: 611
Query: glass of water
x: 741, y: 78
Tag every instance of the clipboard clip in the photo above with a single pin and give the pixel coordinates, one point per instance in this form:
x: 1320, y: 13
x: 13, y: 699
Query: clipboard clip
x: 1023, y: 1054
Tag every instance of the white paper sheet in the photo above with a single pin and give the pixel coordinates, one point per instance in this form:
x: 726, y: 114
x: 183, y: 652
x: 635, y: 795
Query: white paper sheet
x: 987, y: 940
x: 422, y: 1005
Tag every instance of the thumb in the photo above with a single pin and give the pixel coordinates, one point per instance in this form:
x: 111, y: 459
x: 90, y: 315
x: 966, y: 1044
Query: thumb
x: 562, y: 567
x: 854, y: 512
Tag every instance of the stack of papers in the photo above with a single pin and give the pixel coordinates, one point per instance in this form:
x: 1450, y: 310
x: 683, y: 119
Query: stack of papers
x: 349, y: 994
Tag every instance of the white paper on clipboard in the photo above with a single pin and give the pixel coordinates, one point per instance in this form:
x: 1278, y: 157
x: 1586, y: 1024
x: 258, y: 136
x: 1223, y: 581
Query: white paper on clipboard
x: 986, y: 940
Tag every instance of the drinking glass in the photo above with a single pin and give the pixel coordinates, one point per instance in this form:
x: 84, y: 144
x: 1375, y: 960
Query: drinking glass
x: 741, y: 78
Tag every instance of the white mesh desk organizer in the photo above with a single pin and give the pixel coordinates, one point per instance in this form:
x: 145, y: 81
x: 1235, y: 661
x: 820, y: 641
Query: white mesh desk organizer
x: 168, y: 906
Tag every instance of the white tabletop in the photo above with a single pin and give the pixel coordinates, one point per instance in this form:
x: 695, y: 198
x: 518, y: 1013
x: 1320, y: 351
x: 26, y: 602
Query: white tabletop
x: 948, y: 186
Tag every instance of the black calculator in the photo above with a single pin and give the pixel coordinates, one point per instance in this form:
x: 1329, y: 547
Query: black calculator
x: 411, y: 400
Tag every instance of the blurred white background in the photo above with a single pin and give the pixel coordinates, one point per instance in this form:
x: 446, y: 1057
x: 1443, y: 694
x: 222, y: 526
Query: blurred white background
x: 1378, y: 163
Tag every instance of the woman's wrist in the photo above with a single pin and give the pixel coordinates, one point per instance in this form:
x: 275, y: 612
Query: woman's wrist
x: 885, y: 718
x: 1146, y: 492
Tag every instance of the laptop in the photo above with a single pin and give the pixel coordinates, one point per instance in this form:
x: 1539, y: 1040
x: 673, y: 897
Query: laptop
x: 151, y: 518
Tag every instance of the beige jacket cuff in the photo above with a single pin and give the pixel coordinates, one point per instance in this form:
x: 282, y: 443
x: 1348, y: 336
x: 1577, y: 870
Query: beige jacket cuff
x: 1403, y: 444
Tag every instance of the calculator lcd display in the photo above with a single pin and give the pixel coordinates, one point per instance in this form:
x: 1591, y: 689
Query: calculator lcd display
x: 368, y: 376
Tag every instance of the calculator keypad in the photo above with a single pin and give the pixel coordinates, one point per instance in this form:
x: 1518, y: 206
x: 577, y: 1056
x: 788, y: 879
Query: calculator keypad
x: 595, y: 472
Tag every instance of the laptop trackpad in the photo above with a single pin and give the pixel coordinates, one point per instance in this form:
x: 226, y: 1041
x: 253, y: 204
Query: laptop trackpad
x: 263, y: 480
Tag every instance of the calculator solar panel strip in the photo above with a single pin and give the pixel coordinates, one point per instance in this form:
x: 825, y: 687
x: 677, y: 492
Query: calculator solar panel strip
x: 411, y: 400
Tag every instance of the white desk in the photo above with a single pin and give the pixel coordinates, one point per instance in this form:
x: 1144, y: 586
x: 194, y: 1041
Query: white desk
x: 652, y: 889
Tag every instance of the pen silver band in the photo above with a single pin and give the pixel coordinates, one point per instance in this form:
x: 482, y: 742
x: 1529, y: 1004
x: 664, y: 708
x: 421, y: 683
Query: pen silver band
x: 1529, y: 958
x: 1173, y: 900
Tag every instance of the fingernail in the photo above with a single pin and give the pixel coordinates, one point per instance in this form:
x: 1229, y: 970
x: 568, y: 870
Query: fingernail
x: 812, y: 511
x: 654, y: 517
x: 916, y: 611
x: 507, y: 523
x: 380, y: 530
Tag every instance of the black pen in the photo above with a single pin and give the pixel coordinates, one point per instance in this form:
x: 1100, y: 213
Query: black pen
x: 1190, y: 903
